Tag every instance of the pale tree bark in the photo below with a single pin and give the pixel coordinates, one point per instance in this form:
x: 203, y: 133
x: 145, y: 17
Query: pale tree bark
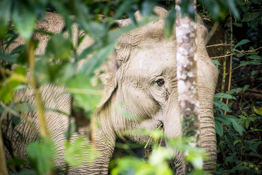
x: 187, y: 77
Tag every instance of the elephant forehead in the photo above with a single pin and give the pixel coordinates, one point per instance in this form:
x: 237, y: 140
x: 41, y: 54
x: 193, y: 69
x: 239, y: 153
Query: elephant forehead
x: 154, y: 59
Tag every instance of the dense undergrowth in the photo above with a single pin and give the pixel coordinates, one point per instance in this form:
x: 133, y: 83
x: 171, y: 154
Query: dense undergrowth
x: 235, y: 49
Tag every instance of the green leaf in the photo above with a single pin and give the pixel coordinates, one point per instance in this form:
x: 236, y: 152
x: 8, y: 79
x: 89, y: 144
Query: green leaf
x: 232, y: 7
x: 253, y: 147
x: 169, y: 23
x: 113, y: 36
x: 238, y: 90
x: 232, y: 91
x: 147, y: 7
x: 239, y: 168
x: 245, y: 88
x: 42, y: 155
x: 8, y: 87
x: 24, y: 19
x: 8, y: 58
x: 215, y: 62
x: 5, y: 9
x: 79, y: 151
x: 97, y: 60
x: 18, y: 49
x: 258, y: 111
x: 236, y: 141
x: 256, y: 57
x: 47, y: 72
x: 222, y: 118
x: 242, y: 42
x: 250, y: 17
x: 83, y: 92
x: 219, y: 128
x: 123, y: 8
x: 236, y: 125
x: 223, y: 95
x: 251, y: 62
x: 247, y: 123
x: 59, y: 47
x: 240, y: 54
x: 238, y: 24
x: 221, y: 105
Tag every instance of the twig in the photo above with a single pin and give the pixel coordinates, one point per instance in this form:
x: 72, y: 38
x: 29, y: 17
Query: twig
x: 212, y: 31
x: 222, y: 44
x: 239, y: 52
x: 223, y: 56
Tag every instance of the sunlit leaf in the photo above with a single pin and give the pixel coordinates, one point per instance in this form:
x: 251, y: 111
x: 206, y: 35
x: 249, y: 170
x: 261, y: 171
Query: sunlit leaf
x: 83, y: 92
x: 258, y: 111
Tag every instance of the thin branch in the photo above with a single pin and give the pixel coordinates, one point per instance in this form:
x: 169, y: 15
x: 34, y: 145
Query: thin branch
x: 223, y: 56
x: 239, y: 52
x: 212, y: 31
x: 222, y: 44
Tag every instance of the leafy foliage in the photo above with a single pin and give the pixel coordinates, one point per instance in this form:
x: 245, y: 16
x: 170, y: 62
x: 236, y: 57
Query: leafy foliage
x: 238, y: 123
x: 236, y: 132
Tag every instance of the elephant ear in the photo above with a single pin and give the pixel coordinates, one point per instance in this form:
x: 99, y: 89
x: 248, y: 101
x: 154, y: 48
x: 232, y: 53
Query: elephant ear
x: 107, y: 74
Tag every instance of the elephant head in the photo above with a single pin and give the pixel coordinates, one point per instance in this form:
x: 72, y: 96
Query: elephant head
x: 144, y: 73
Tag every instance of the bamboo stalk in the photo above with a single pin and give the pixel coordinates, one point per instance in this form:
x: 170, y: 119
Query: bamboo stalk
x: 231, y: 57
x: 37, y: 93
x: 224, y: 70
x: 3, y: 169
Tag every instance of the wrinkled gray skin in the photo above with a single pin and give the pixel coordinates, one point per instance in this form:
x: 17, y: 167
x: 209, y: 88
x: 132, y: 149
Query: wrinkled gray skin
x: 142, y: 57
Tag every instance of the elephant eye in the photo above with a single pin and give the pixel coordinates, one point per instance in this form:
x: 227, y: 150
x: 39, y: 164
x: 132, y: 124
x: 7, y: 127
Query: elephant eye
x: 160, y: 82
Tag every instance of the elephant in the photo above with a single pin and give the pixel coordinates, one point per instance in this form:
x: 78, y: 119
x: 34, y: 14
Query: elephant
x: 140, y: 72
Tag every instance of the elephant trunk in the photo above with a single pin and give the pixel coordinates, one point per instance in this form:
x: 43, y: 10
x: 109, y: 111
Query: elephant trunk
x: 173, y: 128
x: 207, y: 129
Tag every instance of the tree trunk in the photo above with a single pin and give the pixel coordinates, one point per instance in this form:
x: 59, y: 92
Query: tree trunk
x: 187, y: 77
